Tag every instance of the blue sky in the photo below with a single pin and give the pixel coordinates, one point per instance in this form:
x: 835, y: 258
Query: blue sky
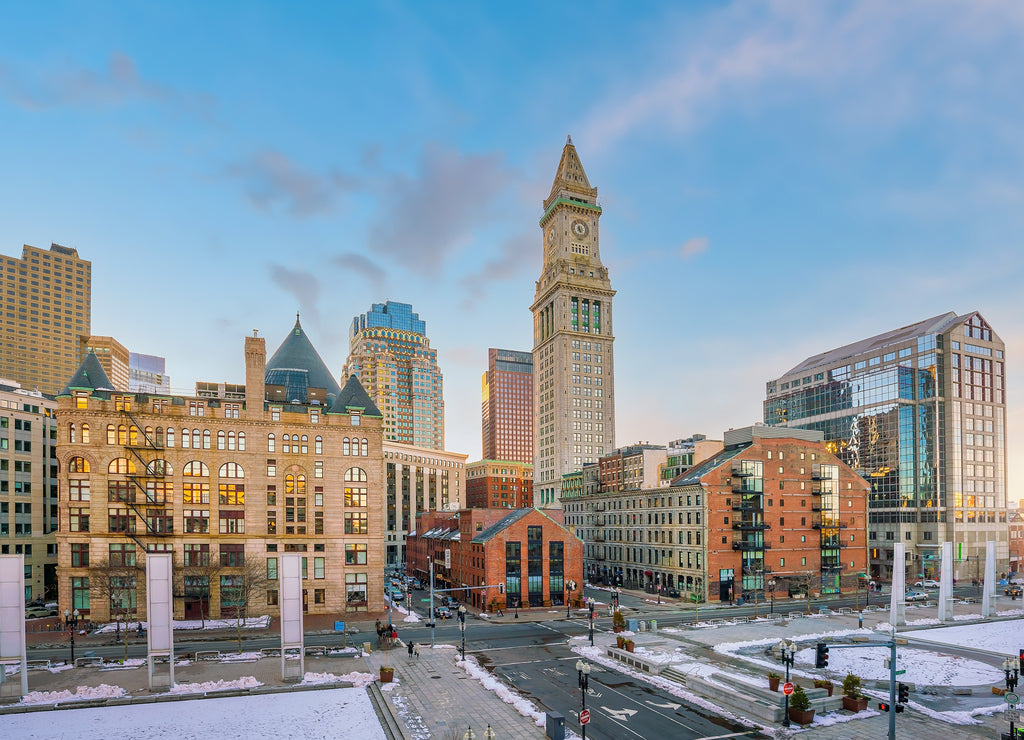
x: 777, y: 178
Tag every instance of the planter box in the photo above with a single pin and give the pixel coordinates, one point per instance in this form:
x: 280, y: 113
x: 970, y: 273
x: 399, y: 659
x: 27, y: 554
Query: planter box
x: 829, y: 688
x: 773, y: 683
x: 801, y: 717
x: 387, y: 675
x: 629, y: 647
x: 855, y: 705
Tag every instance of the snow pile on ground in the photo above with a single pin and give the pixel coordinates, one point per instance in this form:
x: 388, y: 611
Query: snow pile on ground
x: 955, y: 717
x: 410, y: 616
x: 240, y: 657
x: 923, y: 667
x: 342, y: 651
x: 359, y: 680
x: 996, y: 637
x: 834, y: 718
x: 413, y: 722
x: 192, y: 624
x: 122, y: 665
x: 246, y: 682
x: 298, y: 714
x: 524, y: 706
x: 82, y: 693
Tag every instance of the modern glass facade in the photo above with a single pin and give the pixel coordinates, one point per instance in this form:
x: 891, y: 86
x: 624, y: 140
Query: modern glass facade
x: 904, y: 409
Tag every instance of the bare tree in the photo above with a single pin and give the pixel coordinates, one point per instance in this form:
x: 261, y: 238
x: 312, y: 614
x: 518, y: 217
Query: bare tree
x: 116, y: 583
x: 206, y: 571
x: 241, y: 588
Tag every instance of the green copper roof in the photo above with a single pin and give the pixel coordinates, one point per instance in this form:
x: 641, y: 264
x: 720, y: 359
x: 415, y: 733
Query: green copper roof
x: 88, y: 377
x: 353, y: 397
x: 296, y: 356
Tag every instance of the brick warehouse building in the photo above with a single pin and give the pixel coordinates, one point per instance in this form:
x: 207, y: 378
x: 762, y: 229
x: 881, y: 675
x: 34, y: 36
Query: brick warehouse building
x: 527, y: 550
x: 225, y: 484
x: 499, y: 484
x: 779, y: 508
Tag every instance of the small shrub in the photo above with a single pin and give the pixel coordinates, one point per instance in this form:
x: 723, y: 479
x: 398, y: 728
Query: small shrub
x: 799, y: 700
x: 618, y: 621
x: 851, y: 686
x: 774, y: 675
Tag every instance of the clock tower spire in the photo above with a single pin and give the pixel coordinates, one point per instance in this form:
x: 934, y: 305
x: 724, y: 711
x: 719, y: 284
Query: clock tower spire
x: 574, y: 409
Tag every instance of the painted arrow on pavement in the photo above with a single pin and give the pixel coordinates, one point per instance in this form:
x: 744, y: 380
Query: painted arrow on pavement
x: 620, y: 714
x: 670, y: 705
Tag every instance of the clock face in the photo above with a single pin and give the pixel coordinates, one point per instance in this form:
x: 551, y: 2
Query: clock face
x: 580, y: 228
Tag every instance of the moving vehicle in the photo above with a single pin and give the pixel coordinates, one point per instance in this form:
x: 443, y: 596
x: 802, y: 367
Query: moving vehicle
x: 916, y: 596
x: 927, y: 583
x: 1013, y: 591
x: 442, y: 612
x: 38, y: 612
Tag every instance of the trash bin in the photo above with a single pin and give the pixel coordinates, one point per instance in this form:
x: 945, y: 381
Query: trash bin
x: 643, y: 625
x: 555, y: 727
x: 654, y: 625
x: 739, y: 601
x: 633, y: 625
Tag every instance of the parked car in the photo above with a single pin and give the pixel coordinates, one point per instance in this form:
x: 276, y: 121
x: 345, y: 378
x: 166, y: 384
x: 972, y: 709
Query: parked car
x: 1013, y: 591
x: 442, y: 612
x: 916, y: 596
x: 927, y: 583
x: 38, y: 612
x: 672, y: 593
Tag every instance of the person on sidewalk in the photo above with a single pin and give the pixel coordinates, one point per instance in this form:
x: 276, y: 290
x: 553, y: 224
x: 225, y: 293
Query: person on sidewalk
x: 411, y: 647
x: 416, y: 651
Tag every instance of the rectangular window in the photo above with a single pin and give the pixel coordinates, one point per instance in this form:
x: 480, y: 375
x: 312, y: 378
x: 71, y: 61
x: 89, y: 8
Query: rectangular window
x: 79, y: 554
x: 232, y: 556
x: 319, y: 567
x: 196, y: 555
x: 271, y: 569
x: 232, y: 522
x: 355, y: 554
x: 356, y: 522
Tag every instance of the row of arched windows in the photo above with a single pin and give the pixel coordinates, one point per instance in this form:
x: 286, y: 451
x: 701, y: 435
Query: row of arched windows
x: 294, y: 443
x: 192, y: 469
x: 159, y: 437
x: 358, y: 447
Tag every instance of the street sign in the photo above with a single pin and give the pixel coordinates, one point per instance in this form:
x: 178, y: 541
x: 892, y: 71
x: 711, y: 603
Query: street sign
x: 1010, y: 698
x: 787, y: 688
x: 585, y: 717
x: 900, y: 673
x: 424, y: 599
x: 1012, y: 715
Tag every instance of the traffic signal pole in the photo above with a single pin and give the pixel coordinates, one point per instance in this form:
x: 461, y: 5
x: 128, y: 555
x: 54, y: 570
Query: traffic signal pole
x: 891, y: 644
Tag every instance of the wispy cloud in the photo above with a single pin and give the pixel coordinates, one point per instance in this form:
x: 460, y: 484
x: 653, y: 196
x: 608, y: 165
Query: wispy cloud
x: 119, y: 83
x: 428, y: 216
x: 514, y: 258
x: 271, y: 179
x: 303, y: 286
x: 360, y: 265
x: 693, y: 247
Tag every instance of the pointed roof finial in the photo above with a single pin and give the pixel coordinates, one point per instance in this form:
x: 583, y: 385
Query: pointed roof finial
x: 568, y: 139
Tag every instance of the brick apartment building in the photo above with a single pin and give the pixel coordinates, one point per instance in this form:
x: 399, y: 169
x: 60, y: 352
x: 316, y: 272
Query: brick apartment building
x: 499, y: 484
x: 527, y: 550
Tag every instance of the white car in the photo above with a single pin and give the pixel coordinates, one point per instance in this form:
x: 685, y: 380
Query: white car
x: 927, y: 583
x: 916, y: 596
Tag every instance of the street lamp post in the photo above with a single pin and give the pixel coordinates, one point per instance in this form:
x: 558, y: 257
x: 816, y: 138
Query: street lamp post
x: 462, y: 628
x: 570, y: 586
x: 583, y: 674
x: 591, y: 605
x: 771, y: 590
x: 71, y: 622
x: 1011, y: 667
x: 516, y: 607
x: 787, y: 653
x: 488, y: 733
x: 469, y: 735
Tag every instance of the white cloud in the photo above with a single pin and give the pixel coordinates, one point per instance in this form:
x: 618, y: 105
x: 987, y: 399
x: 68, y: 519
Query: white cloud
x: 693, y: 247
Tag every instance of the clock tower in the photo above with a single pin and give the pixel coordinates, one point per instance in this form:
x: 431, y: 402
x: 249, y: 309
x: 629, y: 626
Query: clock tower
x: 574, y: 377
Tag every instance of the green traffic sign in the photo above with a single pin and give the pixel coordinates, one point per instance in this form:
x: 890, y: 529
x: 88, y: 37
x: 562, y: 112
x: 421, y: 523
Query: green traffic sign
x: 424, y: 599
x: 1011, y: 698
x: 900, y: 673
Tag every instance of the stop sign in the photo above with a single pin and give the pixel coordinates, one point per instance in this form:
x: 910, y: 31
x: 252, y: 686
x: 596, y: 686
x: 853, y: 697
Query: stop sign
x: 585, y: 717
x: 787, y: 688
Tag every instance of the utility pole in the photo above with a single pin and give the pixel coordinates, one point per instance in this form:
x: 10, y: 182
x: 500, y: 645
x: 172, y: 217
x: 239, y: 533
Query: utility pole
x: 433, y: 618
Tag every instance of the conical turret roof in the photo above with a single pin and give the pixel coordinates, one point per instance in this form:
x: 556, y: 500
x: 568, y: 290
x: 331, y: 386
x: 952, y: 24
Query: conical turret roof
x: 297, y: 357
x: 354, y: 397
x: 570, y: 177
x: 89, y: 376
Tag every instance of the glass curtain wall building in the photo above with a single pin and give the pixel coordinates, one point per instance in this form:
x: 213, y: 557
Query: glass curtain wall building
x: 920, y: 413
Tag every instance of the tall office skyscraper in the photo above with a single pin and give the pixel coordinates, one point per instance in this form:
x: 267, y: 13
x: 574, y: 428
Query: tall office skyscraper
x: 507, y: 406
x: 47, y: 303
x: 920, y: 412
x: 390, y: 354
x: 113, y: 357
x: 574, y: 378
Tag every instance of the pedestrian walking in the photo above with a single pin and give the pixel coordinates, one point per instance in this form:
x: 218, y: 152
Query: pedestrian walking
x: 411, y: 647
x: 416, y: 651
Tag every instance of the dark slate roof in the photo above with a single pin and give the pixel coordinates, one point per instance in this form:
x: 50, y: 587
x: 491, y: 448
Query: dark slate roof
x: 503, y: 523
x: 354, y: 396
x: 692, y: 476
x: 297, y: 358
x: 88, y: 377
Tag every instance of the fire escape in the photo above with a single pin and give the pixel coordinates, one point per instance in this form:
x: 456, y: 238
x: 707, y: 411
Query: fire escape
x: 149, y: 502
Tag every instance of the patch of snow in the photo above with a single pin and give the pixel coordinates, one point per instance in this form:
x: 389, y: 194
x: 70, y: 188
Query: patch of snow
x: 834, y: 718
x: 359, y: 680
x: 923, y: 667
x: 246, y: 682
x: 413, y: 722
x: 994, y: 637
x: 82, y: 693
x: 524, y: 706
x: 243, y: 657
x: 192, y: 624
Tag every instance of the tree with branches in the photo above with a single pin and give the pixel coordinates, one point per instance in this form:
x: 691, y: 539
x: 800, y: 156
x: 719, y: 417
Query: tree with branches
x: 241, y: 588
x: 116, y: 584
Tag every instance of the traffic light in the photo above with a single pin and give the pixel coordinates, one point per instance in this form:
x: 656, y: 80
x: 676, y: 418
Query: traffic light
x: 1022, y: 658
x: 821, y: 655
x: 904, y: 693
x: 883, y: 706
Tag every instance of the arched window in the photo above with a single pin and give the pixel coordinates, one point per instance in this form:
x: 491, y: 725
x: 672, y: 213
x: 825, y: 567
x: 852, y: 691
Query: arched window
x: 365, y: 448
x: 72, y: 434
x: 286, y: 443
x: 206, y: 439
x: 85, y: 434
x: 78, y: 465
x: 305, y: 444
x: 271, y: 446
x: 231, y: 440
x: 345, y: 447
x: 133, y: 435
x: 355, y: 475
x: 295, y: 484
x: 318, y: 445
x: 185, y: 439
x: 122, y: 434
x: 159, y: 437
x: 149, y: 435
x: 121, y: 466
x: 159, y: 467
x: 170, y: 436
x: 231, y: 470
x: 221, y: 440
x: 196, y: 469
x: 111, y: 435
x: 241, y: 441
